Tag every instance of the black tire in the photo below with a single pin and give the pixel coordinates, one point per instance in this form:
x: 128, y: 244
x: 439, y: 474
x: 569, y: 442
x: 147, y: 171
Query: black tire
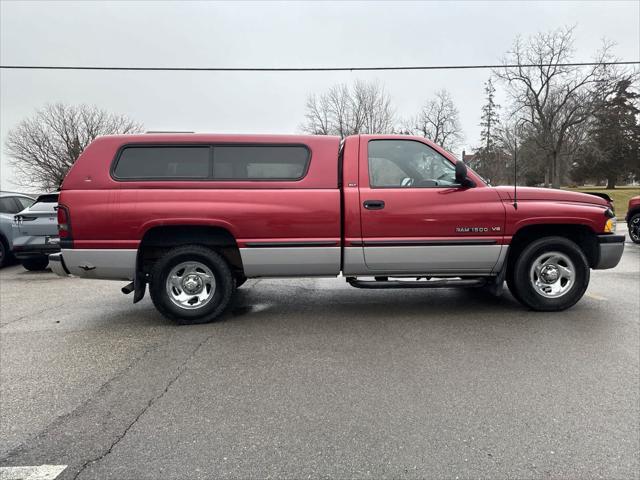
x: 522, y: 285
x: 511, y: 283
x: 4, y: 252
x: 224, y: 288
x: 240, y: 281
x: 36, y: 264
x: 634, y: 228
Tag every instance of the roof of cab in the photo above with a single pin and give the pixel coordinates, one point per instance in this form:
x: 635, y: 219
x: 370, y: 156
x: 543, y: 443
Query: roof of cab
x: 181, y: 137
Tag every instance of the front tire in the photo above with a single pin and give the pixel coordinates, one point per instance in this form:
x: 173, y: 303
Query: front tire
x: 36, y: 264
x: 634, y: 228
x: 550, y: 274
x: 191, y: 285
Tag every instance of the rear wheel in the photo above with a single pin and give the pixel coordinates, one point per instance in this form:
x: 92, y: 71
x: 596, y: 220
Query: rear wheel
x: 550, y: 274
x: 634, y: 228
x: 191, y: 284
x: 35, y: 264
x: 4, y: 252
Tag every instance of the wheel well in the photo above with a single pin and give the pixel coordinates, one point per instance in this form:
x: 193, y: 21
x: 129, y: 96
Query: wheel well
x: 159, y: 240
x: 632, y: 212
x: 582, y: 235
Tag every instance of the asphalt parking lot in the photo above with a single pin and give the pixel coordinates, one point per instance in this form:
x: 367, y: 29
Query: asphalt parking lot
x: 313, y: 378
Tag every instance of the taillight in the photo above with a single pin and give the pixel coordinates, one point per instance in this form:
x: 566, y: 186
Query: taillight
x: 64, y: 223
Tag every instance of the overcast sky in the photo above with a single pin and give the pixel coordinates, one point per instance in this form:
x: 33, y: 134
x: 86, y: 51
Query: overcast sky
x: 264, y: 34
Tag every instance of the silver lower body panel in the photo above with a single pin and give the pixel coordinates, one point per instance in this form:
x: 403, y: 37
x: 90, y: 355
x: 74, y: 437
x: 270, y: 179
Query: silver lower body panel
x: 120, y: 264
x: 291, y: 261
x: 106, y: 264
x: 445, y: 259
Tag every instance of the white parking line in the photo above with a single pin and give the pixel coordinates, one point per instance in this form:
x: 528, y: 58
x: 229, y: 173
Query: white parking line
x: 39, y: 472
x: 594, y: 296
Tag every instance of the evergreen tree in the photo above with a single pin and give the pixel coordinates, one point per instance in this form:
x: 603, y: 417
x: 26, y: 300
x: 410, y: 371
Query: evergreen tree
x: 614, y: 139
x: 490, y: 119
x: 490, y: 159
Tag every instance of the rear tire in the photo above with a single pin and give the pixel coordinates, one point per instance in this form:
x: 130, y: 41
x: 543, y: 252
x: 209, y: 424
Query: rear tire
x: 634, y: 228
x: 4, y: 252
x: 551, y: 274
x: 36, y: 264
x: 191, y: 285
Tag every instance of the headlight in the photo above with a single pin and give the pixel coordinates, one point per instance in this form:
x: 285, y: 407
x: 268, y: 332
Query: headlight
x: 610, y: 226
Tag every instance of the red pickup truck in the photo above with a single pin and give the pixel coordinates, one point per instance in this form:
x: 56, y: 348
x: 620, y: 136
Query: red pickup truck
x: 194, y: 215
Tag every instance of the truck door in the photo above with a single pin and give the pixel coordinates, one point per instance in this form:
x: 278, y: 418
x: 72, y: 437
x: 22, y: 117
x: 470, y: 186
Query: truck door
x: 417, y: 219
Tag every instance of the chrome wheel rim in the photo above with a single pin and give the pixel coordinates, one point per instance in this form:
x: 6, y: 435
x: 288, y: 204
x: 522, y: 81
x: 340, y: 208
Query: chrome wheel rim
x: 552, y: 274
x: 634, y: 229
x: 191, y: 285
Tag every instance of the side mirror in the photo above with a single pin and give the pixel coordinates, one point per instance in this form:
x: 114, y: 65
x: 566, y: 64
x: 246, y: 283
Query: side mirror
x: 461, y: 174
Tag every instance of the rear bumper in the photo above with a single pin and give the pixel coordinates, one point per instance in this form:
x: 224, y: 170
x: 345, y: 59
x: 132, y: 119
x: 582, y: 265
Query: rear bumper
x: 56, y: 263
x: 34, y: 246
x: 610, y: 248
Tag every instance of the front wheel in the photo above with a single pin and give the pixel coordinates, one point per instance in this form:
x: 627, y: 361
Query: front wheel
x: 191, y: 284
x: 634, y: 228
x: 551, y: 274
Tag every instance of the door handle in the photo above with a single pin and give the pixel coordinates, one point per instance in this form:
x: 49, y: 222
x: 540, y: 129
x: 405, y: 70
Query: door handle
x: 373, y: 204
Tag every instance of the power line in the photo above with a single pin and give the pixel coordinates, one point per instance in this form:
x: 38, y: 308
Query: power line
x: 305, y: 69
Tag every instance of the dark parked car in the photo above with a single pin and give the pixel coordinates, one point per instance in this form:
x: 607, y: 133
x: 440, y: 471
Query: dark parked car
x: 35, y: 233
x: 10, y: 204
x: 633, y: 219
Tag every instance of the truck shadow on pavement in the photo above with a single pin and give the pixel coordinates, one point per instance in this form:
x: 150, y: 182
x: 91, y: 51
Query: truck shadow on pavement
x: 287, y: 305
x: 357, y: 304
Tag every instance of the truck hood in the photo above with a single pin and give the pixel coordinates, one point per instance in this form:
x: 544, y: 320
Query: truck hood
x: 550, y: 194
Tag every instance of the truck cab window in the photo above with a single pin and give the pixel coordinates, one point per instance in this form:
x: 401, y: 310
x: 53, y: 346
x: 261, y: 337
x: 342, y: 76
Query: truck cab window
x: 408, y: 164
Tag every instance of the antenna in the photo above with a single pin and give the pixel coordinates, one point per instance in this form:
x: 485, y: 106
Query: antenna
x: 517, y: 129
x: 515, y: 173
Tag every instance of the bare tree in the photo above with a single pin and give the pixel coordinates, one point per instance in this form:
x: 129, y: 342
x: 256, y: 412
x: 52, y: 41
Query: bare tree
x: 438, y: 121
x: 553, y: 98
x: 44, y: 147
x: 343, y: 111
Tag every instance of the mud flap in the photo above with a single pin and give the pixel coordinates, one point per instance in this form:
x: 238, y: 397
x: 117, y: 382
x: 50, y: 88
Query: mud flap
x: 496, y: 286
x: 139, y: 287
x: 139, y: 280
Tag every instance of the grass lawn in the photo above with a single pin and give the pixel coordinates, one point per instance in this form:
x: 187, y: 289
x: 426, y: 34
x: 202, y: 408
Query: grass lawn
x: 620, y: 196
